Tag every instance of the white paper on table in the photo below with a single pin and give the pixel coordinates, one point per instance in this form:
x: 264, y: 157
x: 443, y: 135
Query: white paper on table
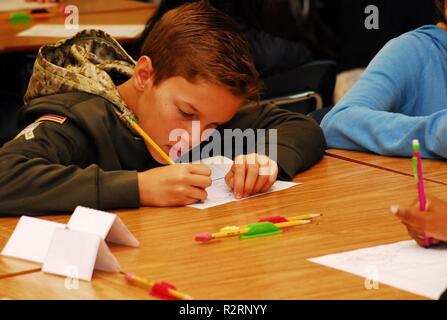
x: 104, y: 224
x: 17, y: 5
x: 403, y: 265
x: 31, y: 239
x: 76, y: 254
x: 219, y: 193
x: 60, y: 31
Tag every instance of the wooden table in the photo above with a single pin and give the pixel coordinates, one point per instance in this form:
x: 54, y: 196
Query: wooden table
x: 355, y: 216
x: 434, y: 170
x: 90, y: 12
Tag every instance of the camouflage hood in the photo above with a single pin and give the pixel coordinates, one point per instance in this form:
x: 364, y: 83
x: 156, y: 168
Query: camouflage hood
x: 91, y: 61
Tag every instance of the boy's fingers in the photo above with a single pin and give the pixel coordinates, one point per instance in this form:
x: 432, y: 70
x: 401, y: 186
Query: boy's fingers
x: 239, y: 171
x: 250, y: 178
x: 196, y: 193
x: 200, y: 169
x: 269, y: 168
x: 270, y: 181
x: 199, y: 181
x: 229, y: 179
x: 189, y: 201
x: 260, y: 183
x: 271, y: 178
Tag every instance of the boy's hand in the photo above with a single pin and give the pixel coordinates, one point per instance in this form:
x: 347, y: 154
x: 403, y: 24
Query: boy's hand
x: 174, y: 185
x: 251, y: 174
x: 431, y: 223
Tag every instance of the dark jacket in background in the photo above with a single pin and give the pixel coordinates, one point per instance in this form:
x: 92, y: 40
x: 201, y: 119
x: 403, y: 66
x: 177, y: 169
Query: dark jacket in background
x: 272, y: 53
x: 395, y: 18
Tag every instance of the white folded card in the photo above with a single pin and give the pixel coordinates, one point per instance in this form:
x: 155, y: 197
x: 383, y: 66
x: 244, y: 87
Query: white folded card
x: 76, y: 254
x: 31, y: 239
x: 73, y: 250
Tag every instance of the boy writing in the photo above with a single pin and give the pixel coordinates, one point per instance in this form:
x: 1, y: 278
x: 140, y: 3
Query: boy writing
x: 79, y: 150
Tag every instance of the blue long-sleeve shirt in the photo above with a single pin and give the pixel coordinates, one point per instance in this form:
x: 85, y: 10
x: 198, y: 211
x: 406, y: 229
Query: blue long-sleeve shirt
x: 401, y: 96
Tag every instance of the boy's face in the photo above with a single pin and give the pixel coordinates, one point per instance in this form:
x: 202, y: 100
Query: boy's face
x: 174, y: 104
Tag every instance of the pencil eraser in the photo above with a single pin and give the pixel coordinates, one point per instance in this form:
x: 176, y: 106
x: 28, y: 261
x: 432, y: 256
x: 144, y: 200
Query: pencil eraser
x: 129, y: 276
x: 416, y: 145
x: 204, y: 237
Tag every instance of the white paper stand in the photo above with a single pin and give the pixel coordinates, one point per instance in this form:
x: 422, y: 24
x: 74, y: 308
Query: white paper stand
x: 75, y: 249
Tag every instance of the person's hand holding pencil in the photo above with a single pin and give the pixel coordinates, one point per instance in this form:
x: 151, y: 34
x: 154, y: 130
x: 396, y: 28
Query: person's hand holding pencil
x: 432, y: 222
x: 174, y: 185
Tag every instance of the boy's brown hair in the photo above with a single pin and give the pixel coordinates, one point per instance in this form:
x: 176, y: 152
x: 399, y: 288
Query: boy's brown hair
x: 196, y: 41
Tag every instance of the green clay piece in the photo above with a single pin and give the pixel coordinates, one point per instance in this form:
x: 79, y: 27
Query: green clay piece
x: 20, y: 16
x: 261, y: 229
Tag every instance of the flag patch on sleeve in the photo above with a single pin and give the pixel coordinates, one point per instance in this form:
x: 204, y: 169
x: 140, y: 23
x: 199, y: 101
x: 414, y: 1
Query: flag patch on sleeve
x: 53, y: 118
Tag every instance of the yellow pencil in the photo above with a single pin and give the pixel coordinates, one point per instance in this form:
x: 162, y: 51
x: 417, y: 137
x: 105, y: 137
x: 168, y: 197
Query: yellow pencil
x: 304, y: 217
x: 149, y: 140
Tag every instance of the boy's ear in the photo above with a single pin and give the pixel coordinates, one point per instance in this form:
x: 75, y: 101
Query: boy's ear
x: 143, y: 73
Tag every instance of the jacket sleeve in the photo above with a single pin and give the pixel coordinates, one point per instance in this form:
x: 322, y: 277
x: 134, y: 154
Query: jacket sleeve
x: 299, y: 141
x: 51, y: 172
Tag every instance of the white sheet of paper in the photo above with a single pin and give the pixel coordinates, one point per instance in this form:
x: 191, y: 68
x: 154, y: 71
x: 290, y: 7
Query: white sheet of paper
x: 219, y: 193
x: 31, y: 239
x: 17, y: 5
x: 403, y: 265
x: 104, y: 224
x: 60, y: 31
x: 72, y: 254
